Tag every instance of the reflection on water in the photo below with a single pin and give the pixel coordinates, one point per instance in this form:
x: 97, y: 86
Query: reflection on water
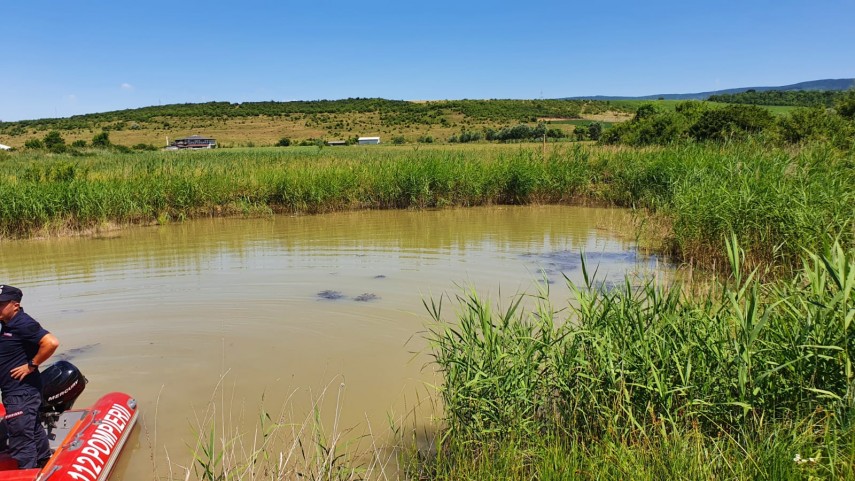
x: 270, y: 306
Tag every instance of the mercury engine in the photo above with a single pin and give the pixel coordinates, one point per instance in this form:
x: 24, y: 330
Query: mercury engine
x: 62, y: 383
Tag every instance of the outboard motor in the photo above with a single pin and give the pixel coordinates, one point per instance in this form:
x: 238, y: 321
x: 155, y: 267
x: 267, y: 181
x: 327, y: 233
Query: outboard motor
x: 62, y: 383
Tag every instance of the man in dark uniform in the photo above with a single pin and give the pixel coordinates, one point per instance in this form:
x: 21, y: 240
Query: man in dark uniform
x: 24, y: 345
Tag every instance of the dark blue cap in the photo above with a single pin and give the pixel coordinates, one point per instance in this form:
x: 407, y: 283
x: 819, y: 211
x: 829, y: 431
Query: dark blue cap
x: 9, y: 293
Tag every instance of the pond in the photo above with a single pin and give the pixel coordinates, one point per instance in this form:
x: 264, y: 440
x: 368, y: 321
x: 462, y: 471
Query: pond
x: 276, y: 311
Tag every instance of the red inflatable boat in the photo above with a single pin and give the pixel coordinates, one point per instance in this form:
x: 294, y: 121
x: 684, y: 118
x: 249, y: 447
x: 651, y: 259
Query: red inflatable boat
x: 85, y: 442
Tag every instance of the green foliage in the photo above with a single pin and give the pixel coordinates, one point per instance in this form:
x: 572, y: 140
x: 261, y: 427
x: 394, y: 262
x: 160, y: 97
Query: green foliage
x: 283, y: 142
x: 595, y: 131
x: 391, y: 112
x: 466, y: 136
x: 816, y: 124
x: 702, y: 121
x: 733, y: 120
x: 144, y: 147
x: 778, y: 201
x: 648, y: 129
x: 692, y: 109
x: 845, y: 105
x: 634, y: 366
x: 101, y: 140
x: 34, y: 144
x: 798, y: 98
x: 517, y: 133
x: 399, y: 140
x: 646, y: 111
x: 78, y: 144
x: 54, y: 142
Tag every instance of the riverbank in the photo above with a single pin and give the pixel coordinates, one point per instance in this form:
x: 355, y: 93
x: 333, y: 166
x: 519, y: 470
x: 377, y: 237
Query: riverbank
x: 776, y: 201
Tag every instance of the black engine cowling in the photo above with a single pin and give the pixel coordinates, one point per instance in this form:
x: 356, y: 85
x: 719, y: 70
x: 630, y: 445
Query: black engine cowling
x: 62, y: 383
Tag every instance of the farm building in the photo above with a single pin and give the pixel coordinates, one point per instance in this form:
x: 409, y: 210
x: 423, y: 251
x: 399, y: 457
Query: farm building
x: 5, y: 147
x: 368, y: 140
x: 194, y: 142
x: 336, y: 142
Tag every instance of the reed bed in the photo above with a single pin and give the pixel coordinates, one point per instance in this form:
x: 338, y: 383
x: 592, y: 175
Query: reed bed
x: 751, y: 381
x: 776, y: 201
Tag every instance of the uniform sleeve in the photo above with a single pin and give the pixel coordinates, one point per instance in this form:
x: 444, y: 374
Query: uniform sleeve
x: 32, y: 332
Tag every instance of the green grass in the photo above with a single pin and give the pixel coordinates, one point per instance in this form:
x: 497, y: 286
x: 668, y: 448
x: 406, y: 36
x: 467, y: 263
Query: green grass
x: 776, y: 201
x: 644, y: 382
x: 670, y: 105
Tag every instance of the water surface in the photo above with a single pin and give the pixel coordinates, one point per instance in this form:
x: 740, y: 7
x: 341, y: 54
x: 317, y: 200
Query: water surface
x: 282, y: 308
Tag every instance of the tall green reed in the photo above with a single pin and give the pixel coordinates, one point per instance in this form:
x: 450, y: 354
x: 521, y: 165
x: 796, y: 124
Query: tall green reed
x: 641, y: 362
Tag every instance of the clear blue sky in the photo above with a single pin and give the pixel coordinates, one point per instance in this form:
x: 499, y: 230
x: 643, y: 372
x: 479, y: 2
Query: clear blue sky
x: 62, y: 58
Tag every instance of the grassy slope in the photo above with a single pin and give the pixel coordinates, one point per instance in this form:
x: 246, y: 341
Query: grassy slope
x: 266, y: 130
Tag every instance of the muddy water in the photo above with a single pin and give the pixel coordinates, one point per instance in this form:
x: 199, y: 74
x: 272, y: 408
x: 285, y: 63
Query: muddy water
x: 275, y: 311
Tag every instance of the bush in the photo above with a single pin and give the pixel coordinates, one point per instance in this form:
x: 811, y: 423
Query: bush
x: 34, y: 144
x: 846, y: 106
x: 399, y: 140
x: 145, y: 147
x: 721, y: 124
x: 283, y: 142
x: 595, y: 131
x: 78, y: 144
x: 54, y: 142
x: 814, y: 124
x: 101, y: 140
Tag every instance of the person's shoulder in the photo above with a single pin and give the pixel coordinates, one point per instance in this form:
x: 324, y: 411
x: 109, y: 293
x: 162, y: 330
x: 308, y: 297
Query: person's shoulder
x: 25, y: 323
x: 22, y: 317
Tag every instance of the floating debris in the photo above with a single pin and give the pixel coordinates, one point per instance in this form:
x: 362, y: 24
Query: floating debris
x: 330, y: 295
x: 379, y: 276
x: 366, y: 297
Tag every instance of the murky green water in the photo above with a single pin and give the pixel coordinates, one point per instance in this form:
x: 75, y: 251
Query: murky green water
x: 280, y: 309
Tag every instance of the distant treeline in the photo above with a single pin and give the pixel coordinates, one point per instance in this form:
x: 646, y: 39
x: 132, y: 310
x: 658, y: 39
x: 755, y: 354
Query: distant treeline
x: 798, y: 98
x: 391, y: 111
x: 695, y: 121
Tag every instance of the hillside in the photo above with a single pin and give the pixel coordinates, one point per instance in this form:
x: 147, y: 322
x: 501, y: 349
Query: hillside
x: 825, y: 84
x: 265, y: 123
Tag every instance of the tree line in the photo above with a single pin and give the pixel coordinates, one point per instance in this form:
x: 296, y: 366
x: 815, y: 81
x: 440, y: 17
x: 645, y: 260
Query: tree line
x: 702, y: 121
x: 797, y: 98
x: 392, y: 112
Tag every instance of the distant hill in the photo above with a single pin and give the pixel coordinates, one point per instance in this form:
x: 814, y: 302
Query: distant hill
x: 827, y: 84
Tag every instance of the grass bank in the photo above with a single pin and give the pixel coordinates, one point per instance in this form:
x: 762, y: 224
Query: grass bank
x: 751, y: 381
x: 776, y: 201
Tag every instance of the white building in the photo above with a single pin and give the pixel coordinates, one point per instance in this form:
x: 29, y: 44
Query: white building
x: 368, y: 140
x: 5, y: 147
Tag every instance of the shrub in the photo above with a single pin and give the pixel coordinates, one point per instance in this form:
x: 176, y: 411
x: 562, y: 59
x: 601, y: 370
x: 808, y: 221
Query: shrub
x: 846, y: 106
x: 399, y: 140
x: 720, y: 124
x: 34, y: 144
x: 145, y: 147
x: 283, y: 142
x: 813, y: 124
x: 101, y: 140
x: 78, y: 144
x: 54, y: 142
x: 595, y: 131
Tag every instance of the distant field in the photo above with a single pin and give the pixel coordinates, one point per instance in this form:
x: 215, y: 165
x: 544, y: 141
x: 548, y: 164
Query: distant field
x: 670, y: 105
x: 409, y: 122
